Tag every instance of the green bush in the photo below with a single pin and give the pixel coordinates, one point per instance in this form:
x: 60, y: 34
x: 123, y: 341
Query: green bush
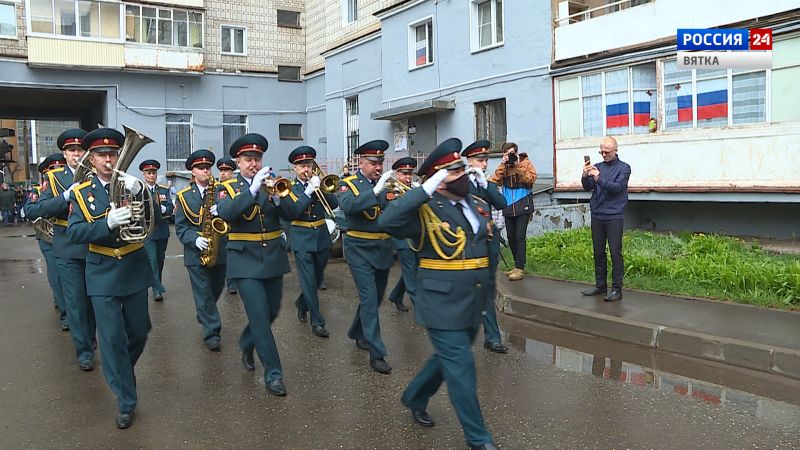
x: 699, y: 265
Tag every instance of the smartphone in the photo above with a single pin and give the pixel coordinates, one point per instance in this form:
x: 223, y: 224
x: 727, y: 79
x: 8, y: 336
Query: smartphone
x: 586, y: 159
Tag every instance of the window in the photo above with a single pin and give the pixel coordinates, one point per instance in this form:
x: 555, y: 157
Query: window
x: 79, y: 18
x: 420, y: 44
x: 234, y: 40
x: 351, y: 113
x: 8, y: 20
x: 164, y: 26
x: 288, y: 73
x: 289, y: 19
x: 487, y: 24
x: 618, y: 101
x: 349, y: 11
x: 490, y: 122
x: 233, y: 127
x: 179, y: 140
x: 706, y: 98
x: 290, y: 131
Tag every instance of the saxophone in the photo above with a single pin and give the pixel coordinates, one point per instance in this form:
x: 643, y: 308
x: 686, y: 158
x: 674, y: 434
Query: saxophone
x: 142, y: 209
x: 211, y: 228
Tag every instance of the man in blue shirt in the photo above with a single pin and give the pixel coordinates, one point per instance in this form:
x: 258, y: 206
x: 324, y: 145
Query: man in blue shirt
x: 608, y: 181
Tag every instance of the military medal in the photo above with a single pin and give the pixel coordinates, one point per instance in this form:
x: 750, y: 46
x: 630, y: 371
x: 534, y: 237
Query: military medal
x: 90, y: 197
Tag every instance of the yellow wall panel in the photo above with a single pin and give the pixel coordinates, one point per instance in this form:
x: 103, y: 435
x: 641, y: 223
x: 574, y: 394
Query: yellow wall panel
x: 47, y: 51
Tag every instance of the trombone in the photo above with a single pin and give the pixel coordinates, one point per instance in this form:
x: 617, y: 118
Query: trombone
x: 280, y: 187
x: 327, y: 185
x: 394, y: 185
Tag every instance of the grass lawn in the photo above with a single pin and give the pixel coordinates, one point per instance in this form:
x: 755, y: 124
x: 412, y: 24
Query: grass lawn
x: 695, y: 265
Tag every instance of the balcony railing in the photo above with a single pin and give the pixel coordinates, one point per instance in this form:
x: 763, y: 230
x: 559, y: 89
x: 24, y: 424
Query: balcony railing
x: 575, y: 11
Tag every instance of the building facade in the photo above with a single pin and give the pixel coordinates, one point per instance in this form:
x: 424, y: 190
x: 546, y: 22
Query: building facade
x: 711, y: 150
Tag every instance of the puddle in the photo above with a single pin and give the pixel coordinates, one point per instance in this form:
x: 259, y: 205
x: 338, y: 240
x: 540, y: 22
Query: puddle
x: 10, y: 267
x: 781, y: 406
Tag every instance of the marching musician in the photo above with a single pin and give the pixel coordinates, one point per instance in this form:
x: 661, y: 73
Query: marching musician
x: 367, y: 249
x: 118, y: 273
x: 32, y: 211
x: 70, y: 256
x: 449, y: 228
x: 226, y: 166
x: 309, y: 238
x: 156, y: 244
x: 477, y: 155
x: 256, y: 255
x: 207, y: 282
x: 404, y: 173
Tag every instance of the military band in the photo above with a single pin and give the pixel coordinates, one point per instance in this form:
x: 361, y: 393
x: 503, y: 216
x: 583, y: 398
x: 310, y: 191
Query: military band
x: 157, y: 240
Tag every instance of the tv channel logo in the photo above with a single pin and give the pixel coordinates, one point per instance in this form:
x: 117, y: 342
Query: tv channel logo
x: 728, y: 48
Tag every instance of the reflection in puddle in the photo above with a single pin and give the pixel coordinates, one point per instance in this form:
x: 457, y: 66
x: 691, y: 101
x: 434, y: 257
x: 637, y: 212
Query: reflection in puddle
x: 20, y: 266
x: 633, y: 374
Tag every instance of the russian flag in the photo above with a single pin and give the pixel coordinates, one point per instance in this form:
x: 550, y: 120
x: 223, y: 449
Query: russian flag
x: 710, y: 105
x: 422, y: 53
x: 617, y: 114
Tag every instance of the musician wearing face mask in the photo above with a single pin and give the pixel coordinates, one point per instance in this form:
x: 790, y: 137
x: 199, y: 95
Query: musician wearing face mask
x: 70, y: 256
x: 156, y: 245
x: 256, y: 255
x: 404, y: 172
x: 477, y: 155
x: 118, y: 273
x: 367, y: 249
x: 207, y: 280
x: 448, y: 229
x: 309, y: 238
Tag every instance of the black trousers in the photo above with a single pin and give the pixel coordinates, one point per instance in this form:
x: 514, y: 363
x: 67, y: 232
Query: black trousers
x: 516, y: 230
x: 607, y: 231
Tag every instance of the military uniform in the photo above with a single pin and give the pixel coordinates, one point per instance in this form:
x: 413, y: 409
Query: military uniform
x: 207, y: 282
x: 156, y: 244
x: 452, y: 277
x: 31, y: 208
x: 117, y: 280
x: 368, y: 253
x: 490, y: 194
x: 257, y: 261
x: 405, y: 256
x: 226, y: 164
x: 309, y: 240
x: 70, y: 256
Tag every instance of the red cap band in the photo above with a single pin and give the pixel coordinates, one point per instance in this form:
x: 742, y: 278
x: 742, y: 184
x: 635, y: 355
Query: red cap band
x: 105, y: 142
x: 199, y: 161
x: 302, y: 157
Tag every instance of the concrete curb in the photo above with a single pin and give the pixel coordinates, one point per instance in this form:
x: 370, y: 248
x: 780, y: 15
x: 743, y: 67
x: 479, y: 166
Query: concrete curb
x: 764, y: 358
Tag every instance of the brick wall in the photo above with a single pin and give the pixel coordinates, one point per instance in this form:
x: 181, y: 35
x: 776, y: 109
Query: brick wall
x: 16, y: 47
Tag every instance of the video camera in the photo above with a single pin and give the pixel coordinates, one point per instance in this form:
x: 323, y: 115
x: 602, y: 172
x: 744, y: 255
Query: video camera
x: 512, y: 158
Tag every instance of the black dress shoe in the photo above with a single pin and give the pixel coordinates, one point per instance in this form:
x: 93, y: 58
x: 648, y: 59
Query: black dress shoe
x: 86, y: 366
x: 276, y: 387
x: 248, y: 362
x: 614, y: 295
x: 400, y: 306
x: 362, y: 344
x: 594, y: 291
x: 497, y: 347
x: 488, y: 446
x: 380, y: 365
x: 422, y: 418
x: 301, y: 316
x: 158, y: 297
x: 213, y: 344
x: 323, y: 286
x: 124, y: 420
x: 233, y: 291
x: 65, y: 326
x: 320, y: 331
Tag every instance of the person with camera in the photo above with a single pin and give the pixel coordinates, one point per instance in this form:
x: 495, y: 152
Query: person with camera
x: 608, y: 181
x: 516, y: 174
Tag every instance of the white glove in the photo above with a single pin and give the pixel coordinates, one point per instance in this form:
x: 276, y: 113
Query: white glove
x: 480, y: 177
x: 430, y: 185
x: 65, y: 194
x: 213, y: 210
x: 258, y: 179
x: 163, y: 209
x: 201, y: 243
x: 414, y: 184
x: 382, y: 181
x: 132, y: 184
x: 118, y: 216
x: 313, y: 184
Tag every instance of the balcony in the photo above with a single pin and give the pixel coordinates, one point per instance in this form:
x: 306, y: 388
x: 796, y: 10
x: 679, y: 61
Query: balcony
x: 158, y: 57
x: 58, y: 51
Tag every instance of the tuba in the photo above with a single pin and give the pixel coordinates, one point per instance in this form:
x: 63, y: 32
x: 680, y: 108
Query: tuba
x: 84, y: 172
x: 142, y: 209
x: 45, y: 227
x: 211, y: 228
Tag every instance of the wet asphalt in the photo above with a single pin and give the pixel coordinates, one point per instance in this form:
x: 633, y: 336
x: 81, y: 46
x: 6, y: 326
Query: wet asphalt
x: 190, y: 397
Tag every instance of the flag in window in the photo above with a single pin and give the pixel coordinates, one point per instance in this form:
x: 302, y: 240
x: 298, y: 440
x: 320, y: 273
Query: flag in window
x: 710, y: 105
x: 617, y: 114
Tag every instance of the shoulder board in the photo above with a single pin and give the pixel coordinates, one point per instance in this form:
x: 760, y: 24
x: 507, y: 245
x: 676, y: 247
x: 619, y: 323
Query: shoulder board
x: 51, y: 177
x: 57, y: 169
x: 349, y: 182
x: 478, y: 199
x: 182, y: 191
x: 228, y: 185
x: 163, y: 187
x: 350, y: 178
x: 84, y: 184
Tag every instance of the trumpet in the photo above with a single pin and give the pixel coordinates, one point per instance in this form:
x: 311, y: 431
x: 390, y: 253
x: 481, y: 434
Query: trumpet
x: 280, y: 187
x: 397, y: 187
x: 327, y: 185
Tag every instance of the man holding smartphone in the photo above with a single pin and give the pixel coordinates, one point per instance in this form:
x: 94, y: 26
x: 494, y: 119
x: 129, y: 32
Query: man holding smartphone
x: 608, y: 181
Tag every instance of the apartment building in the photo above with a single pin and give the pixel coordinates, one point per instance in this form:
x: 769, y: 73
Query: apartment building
x: 720, y: 153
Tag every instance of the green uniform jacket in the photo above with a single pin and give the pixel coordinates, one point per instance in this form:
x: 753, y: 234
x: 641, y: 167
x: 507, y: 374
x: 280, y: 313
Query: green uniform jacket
x: 161, y: 225
x: 188, y: 217
x: 31, y: 207
x: 445, y: 299
x: 496, y: 200
x: 53, y: 206
x: 362, y: 209
x: 297, y: 206
x: 105, y: 275
x: 245, y: 214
